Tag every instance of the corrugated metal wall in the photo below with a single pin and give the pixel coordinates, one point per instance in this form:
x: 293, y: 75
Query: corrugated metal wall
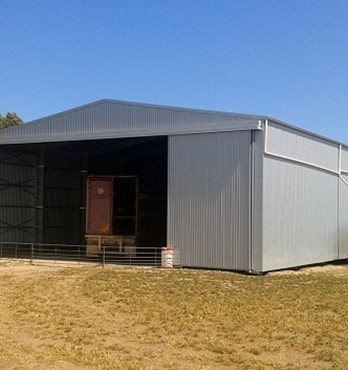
x: 344, y: 159
x: 300, y: 221
x: 209, y: 199
x: 18, y: 195
x: 301, y: 203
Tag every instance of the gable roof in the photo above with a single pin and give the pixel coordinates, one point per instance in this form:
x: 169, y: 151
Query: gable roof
x: 116, y: 119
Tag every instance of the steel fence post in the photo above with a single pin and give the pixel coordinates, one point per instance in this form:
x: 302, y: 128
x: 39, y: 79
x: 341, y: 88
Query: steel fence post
x: 31, y: 253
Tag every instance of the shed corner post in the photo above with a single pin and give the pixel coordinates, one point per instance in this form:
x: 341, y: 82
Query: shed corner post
x: 256, y: 199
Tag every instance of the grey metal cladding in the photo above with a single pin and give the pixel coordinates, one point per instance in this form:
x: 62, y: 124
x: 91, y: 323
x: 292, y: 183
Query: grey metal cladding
x: 112, y: 119
x: 289, y: 142
x: 344, y: 159
x: 209, y: 199
x: 343, y: 218
x: 300, y: 214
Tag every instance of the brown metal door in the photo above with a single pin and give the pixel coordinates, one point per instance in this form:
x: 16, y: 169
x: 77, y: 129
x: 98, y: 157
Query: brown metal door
x: 99, y: 206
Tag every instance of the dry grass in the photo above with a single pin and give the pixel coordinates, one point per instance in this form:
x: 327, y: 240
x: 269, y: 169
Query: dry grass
x: 85, y: 317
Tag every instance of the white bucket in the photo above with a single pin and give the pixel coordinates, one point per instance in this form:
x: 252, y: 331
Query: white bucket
x: 167, y: 257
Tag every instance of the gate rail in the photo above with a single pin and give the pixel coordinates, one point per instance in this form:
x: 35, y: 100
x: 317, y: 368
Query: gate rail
x: 142, y: 256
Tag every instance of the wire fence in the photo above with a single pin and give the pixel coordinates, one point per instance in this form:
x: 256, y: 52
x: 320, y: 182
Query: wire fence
x: 132, y: 256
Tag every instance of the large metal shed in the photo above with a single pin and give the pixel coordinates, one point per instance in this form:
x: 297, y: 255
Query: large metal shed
x: 241, y: 192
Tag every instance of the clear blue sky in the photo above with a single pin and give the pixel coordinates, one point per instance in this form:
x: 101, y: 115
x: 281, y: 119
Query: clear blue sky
x: 287, y: 59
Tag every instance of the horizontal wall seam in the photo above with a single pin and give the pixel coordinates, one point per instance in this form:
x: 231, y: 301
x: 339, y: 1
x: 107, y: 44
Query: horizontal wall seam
x: 337, y: 172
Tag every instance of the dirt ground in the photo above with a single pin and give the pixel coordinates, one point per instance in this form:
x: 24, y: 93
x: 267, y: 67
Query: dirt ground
x: 59, y: 316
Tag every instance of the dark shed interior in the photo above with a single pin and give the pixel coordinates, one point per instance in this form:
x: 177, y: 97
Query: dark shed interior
x: 43, y: 188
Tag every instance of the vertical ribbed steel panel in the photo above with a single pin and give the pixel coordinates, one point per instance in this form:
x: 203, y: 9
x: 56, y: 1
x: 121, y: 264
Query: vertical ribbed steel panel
x: 209, y: 199
x: 343, y: 218
x: 344, y: 159
x: 304, y: 206
x: 300, y: 214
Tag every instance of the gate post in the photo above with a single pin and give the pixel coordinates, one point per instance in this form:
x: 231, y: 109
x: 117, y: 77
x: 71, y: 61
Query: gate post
x: 31, y: 253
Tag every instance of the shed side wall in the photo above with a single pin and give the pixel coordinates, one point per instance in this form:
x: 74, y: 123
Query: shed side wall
x: 300, y: 202
x: 302, y: 146
x: 300, y: 221
x: 209, y: 199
